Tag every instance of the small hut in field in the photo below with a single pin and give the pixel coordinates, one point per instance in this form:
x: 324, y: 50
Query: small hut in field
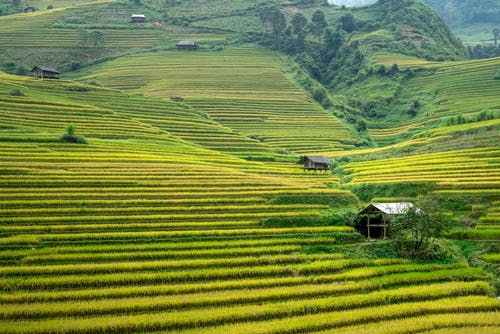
x: 45, y: 72
x: 187, y: 46
x: 316, y: 163
x: 376, y: 217
x: 29, y: 9
x: 138, y: 18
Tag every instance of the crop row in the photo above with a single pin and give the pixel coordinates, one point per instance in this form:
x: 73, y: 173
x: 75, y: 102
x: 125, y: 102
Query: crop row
x: 373, y: 276
x: 186, y: 275
x: 160, y: 265
x: 283, y: 317
x: 242, y: 297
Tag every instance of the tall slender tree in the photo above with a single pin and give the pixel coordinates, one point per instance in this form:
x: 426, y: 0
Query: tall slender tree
x: 279, y: 27
x: 299, y: 25
x: 318, y: 23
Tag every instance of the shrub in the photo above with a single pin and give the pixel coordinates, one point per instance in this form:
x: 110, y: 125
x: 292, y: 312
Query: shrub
x: 71, y: 137
x: 21, y: 70
x: 76, y: 89
x: 416, y: 231
x: 16, y: 92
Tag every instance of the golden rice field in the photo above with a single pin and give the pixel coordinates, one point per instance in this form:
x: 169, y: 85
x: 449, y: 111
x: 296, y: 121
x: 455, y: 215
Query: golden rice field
x: 460, y: 87
x: 452, y: 171
x: 147, y: 230
x: 158, y: 224
x: 242, y: 89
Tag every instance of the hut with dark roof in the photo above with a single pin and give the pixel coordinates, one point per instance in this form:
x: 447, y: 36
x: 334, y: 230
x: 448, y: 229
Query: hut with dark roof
x: 45, y: 72
x: 187, y: 46
x: 316, y: 163
x: 375, y: 218
x: 138, y: 18
x: 29, y: 9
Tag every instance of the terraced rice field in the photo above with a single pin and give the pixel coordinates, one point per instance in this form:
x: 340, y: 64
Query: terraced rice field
x: 60, y: 26
x: 146, y: 230
x: 242, y: 89
x: 466, y: 87
x: 157, y: 224
x: 465, y: 171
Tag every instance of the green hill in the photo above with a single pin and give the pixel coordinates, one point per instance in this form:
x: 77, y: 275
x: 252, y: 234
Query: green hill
x: 471, y: 20
x: 192, y: 214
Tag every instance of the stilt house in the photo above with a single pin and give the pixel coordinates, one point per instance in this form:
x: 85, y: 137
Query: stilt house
x: 316, y: 163
x: 376, y: 217
x: 187, y: 46
x: 138, y: 18
x: 45, y: 73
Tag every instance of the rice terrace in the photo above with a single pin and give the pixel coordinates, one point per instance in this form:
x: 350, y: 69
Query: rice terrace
x: 281, y: 166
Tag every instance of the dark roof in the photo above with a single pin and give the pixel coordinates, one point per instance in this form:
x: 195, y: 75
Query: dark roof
x: 318, y: 160
x: 186, y: 43
x: 397, y: 208
x: 46, y: 69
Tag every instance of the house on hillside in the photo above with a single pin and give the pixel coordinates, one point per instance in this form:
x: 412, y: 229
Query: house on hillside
x: 376, y: 217
x: 45, y: 73
x: 187, y: 46
x: 316, y: 163
x: 29, y: 9
x: 138, y: 18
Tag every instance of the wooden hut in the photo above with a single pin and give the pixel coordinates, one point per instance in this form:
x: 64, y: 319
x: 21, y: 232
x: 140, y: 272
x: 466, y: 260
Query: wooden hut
x: 376, y: 217
x: 29, y: 9
x: 187, y: 46
x: 316, y: 163
x: 138, y: 18
x: 45, y: 73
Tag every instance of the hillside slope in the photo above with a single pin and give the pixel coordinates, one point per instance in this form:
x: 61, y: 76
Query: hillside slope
x: 194, y: 216
x: 244, y: 89
x: 140, y: 230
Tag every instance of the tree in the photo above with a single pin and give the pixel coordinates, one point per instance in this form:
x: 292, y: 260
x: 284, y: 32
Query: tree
x: 279, y: 27
x: 96, y: 38
x: 416, y: 230
x: 83, y: 40
x: 318, y: 23
x: 266, y: 16
x: 496, y: 32
x: 333, y: 42
x: 299, y: 25
x: 70, y: 136
x: 347, y: 23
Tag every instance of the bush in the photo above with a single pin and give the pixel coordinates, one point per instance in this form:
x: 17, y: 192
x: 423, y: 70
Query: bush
x: 21, y: 70
x: 417, y: 230
x: 16, y: 92
x: 76, y: 89
x: 71, y: 137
